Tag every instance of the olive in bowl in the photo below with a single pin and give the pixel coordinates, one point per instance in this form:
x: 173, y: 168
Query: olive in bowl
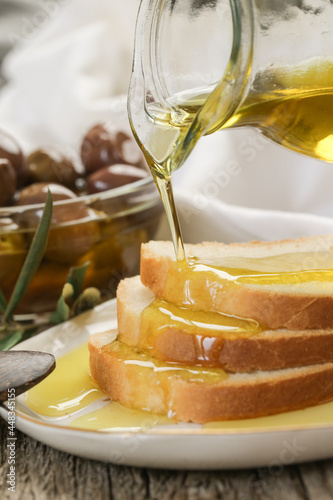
x: 50, y: 164
x: 113, y: 177
x: 105, y: 144
x: 8, y: 179
x: 11, y: 151
x: 74, y: 229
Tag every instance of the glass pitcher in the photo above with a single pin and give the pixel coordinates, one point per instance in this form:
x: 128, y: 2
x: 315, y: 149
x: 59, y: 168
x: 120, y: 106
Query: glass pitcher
x: 205, y: 65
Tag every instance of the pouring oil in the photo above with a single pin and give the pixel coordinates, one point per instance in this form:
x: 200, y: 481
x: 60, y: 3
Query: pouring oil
x: 292, y: 106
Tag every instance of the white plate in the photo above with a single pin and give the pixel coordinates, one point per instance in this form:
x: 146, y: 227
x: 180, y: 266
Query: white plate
x: 183, y: 446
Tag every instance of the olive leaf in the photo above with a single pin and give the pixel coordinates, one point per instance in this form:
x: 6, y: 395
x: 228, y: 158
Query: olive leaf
x: 62, y: 311
x: 3, y: 302
x: 76, y: 278
x: 10, y: 340
x: 70, y: 293
x: 32, y: 261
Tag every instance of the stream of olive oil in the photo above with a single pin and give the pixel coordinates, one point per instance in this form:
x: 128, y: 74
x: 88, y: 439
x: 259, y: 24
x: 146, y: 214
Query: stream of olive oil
x: 292, y: 106
x: 70, y: 389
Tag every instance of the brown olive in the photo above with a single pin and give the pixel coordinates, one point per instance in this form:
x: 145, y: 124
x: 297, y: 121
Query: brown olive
x: 10, y: 150
x: 113, y: 176
x: 105, y: 144
x: 48, y: 164
x: 71, y: 238
x: 127, y: 150
x: 74, y: 229
x: 8, y: 225
x: 37, y: 193
x: 8, y: 180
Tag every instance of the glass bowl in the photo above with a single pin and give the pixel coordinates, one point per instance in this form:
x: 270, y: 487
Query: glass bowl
x: 104, y: 229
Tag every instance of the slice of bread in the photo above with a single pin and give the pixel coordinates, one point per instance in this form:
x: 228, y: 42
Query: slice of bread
x: 234, y: 352
x: 199, y: 395
x: 296, y: 306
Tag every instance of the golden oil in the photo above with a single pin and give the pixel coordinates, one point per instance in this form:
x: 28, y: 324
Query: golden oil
x: 292, y: 106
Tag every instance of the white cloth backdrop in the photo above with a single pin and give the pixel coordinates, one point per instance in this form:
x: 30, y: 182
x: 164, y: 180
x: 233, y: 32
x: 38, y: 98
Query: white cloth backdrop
x: 72, y: 72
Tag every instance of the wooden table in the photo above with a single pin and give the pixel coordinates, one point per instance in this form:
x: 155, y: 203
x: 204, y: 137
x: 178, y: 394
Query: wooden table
x: 43, y: 473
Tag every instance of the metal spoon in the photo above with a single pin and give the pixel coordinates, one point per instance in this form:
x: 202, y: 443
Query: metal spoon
x: 21, y: 370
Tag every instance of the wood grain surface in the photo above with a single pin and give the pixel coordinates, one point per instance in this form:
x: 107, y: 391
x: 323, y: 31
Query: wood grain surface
x: 43, y: 473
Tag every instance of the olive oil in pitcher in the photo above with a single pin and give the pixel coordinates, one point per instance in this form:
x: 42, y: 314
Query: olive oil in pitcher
x: 275, y: 80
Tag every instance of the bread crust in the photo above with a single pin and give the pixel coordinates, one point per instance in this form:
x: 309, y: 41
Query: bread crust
x: 273, y: 308
x: 236, y: 397
x: 244, y: 354
x: 268, y: 350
